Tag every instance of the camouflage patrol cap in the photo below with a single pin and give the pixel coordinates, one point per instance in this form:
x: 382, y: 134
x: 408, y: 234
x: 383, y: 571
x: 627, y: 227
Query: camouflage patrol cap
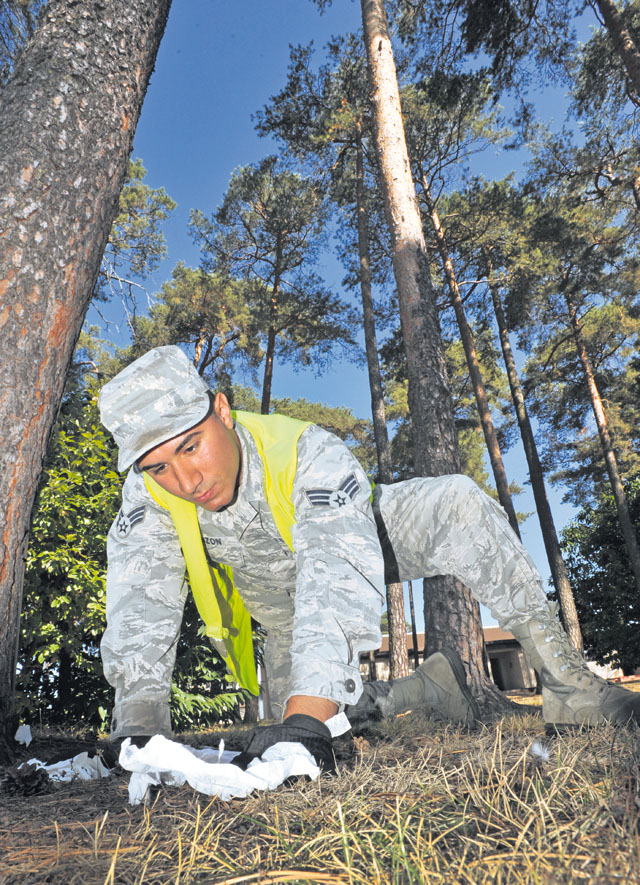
x: 157, y: 397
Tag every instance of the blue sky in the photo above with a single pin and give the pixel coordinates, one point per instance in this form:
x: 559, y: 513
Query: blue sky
x: 218, y: 63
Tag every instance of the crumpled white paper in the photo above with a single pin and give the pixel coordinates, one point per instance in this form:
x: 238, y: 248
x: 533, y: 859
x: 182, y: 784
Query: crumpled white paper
x: 81, y: 767
x: 210, y: 771
x: 23, y: 735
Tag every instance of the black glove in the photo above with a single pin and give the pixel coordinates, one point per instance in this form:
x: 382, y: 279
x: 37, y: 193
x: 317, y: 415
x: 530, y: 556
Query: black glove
x: 111, y: 751
x: 299, y: 728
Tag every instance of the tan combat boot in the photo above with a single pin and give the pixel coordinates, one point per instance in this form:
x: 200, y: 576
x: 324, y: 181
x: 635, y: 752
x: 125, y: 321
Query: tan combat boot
x: 438, y: 686
x: 572, y: 695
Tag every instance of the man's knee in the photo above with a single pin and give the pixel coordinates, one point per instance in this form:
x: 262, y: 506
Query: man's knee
x: 462, y: 484
x: 463, y: 491
x: 469, y: 501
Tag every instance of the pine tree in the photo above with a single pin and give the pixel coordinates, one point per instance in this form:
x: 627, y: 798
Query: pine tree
x: 325, y: 118
x: 68, y: 115
x: 450, y: 610
x: 268, y: 230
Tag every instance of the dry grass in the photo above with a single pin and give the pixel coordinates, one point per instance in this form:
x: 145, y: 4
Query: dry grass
x: 416, y: 801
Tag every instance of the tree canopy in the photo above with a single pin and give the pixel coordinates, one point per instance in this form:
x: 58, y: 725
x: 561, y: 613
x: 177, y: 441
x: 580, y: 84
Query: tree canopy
x: 268, y: 231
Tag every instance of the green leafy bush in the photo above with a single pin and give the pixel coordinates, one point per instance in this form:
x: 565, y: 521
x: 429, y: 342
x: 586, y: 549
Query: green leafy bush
x: 602, y: 580
x: 60, y: 679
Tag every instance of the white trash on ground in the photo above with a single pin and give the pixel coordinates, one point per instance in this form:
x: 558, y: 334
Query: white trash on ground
x: 210, y: 771
x: 23, y: 735
x: 81, y: 767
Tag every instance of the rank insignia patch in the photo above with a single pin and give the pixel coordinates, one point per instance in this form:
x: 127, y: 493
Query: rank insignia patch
x: 335, y: 498
x: 126, y: 521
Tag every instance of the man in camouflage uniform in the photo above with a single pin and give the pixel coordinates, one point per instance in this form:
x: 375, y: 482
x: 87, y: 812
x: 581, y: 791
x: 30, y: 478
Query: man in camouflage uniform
x: 321, y: 604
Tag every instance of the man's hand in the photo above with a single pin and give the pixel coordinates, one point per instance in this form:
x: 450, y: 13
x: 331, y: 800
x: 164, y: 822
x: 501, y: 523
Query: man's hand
x: 297, y: 728
x: 111, y: 751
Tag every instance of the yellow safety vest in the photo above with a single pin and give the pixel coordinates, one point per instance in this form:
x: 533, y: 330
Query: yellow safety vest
x: 218, y: 602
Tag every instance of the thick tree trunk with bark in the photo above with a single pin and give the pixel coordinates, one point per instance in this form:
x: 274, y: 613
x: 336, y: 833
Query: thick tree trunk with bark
x: 466, y: 335
x: 547, y: 526
x: 450, y: 625
x: 67, y: 118
x: 624, y: 517
x: 622, y: 40
x: 451, y: 614
x: 398, y: 656
x: 398, y: 652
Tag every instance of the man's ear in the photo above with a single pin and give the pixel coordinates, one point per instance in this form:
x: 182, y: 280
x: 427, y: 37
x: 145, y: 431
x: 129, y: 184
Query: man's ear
x: 223, y: 410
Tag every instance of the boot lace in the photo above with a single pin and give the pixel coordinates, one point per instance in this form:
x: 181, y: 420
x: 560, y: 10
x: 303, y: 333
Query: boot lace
x: 569, y: 658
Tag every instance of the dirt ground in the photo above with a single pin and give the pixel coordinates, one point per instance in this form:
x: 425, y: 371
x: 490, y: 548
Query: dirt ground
x: 63, y: 832
x: 416, y: 801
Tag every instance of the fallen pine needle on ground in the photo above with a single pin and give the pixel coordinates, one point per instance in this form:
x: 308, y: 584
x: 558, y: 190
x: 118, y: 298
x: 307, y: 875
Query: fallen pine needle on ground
x: 415, y: 801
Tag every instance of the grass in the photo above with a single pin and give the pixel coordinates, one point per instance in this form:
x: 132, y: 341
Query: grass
x: 415, y: 802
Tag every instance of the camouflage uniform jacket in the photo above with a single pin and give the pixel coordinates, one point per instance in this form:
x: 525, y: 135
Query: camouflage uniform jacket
x: 320, y: 605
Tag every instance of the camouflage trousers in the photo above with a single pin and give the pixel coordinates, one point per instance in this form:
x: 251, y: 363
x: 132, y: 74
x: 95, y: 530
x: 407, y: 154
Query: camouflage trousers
x: 442, y: 525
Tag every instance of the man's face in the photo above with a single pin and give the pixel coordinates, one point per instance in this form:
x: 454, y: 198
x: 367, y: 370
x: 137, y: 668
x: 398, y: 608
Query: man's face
x: 201, y: 465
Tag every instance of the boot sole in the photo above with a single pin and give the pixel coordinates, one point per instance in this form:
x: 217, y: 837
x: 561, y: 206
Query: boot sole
x: 554, y: 712
x: 560, y: 728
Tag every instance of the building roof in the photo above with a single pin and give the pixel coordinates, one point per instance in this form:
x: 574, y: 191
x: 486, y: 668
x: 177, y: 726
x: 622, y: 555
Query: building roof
x: 491, y: 634
x: 497, y: 634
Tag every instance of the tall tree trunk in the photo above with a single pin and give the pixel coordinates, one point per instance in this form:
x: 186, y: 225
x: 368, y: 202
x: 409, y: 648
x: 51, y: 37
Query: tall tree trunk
x: 251, y: 709
x: 398, y: 656
x: 373, y: 675
x: 398, y: 652
x: 451, y: 614
x: 466, y: 335
x: 67, y: 118
x: 268, y: 370
x: 271, y: 334
x: 378, y: 412
x: 624, y: 517
x: 414, y: 632
x: 64, y: 679
x: 545, y: 517
x: 622, y: 39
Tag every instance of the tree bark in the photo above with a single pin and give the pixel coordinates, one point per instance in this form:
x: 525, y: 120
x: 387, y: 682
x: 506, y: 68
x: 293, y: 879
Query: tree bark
x: 466, y: 335
x: 373, y: 675
x: 624, y: 517
x: 64, y: 679
x: 451, y: 614
x: 251, y: 709
x: 451, y: 627
x: 398, y: 655
x: 68, y: 117
x: 271, y: 334
x: 268, y: 369
x: 378, y: 412
x: 622, y: 40
x: 545, y: 517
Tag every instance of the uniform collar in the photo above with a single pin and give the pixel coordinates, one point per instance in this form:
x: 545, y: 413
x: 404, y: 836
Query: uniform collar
x: 250, y: 492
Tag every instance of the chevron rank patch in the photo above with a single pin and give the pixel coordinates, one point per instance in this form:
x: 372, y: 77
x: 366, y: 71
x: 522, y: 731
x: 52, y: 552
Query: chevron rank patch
x: 126, y: 521
x: 335, y: 498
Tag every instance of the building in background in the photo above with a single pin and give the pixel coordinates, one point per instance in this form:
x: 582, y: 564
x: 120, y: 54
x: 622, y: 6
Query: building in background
x: 507, y: 663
